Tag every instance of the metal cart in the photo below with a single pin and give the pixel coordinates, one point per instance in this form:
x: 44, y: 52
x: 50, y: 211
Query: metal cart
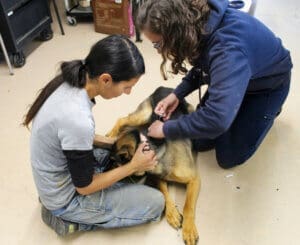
x: 74, y: 11
x: 21, y: 21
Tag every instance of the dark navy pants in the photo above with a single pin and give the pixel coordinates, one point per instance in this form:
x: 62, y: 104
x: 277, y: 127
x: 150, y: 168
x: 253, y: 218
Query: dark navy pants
x: 252, y: 123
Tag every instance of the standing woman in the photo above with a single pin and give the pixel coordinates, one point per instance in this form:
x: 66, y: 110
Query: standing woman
x: 74, y: 190
x: 245, y: 65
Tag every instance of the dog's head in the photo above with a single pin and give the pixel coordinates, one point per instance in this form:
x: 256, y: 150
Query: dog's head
x: 125, y: 147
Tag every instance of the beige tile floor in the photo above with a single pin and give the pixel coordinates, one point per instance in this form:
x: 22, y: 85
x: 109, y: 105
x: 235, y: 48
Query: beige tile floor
x: 265, y: 210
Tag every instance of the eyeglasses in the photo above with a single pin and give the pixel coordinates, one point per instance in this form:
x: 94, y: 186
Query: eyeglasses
x: 157, y: 45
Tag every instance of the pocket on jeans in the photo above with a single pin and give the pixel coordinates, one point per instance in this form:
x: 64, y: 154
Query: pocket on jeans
x: 93, y: 202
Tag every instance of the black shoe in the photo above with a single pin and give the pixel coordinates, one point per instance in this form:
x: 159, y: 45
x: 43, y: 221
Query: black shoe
x: 60, y: 226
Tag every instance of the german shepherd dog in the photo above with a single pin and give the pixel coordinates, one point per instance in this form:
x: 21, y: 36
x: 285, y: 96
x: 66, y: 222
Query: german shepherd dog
x: 176, y: 160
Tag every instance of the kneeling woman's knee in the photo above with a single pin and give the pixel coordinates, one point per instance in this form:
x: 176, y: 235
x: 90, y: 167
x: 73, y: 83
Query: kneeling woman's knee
x: 226, y: 165
x: 230, y: 163
x: 232, y: 159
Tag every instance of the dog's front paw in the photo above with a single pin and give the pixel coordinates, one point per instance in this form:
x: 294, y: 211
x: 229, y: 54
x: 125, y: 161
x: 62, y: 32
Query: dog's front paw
x: 189, y: 232
x: 173, y: 216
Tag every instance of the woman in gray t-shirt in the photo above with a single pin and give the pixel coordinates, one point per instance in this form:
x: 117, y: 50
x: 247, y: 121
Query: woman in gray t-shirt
x: 68, y: 172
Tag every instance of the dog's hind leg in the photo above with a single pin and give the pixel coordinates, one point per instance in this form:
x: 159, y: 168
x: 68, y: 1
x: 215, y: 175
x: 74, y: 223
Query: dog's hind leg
x: 139, y: 117
x: 189, y: 230
x: 173, y: 216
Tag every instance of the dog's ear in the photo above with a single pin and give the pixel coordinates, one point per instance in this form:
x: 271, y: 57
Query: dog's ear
x: 121, y: 155
x: 124, y: 148
x: 124, y: 154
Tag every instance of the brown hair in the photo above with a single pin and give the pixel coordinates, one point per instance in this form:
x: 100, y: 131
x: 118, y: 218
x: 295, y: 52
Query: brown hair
x: 181, y: 25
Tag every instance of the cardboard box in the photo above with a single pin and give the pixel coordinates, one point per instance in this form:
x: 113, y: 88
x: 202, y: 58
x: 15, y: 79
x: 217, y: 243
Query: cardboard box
x: 111, y: 16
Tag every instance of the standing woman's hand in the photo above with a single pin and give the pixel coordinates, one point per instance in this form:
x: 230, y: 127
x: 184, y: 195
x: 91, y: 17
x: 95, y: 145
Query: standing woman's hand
x: 166, y: 106
x: 155, y: 130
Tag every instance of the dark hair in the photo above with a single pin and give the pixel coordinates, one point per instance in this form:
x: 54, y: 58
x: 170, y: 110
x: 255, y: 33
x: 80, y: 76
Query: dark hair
x: 181, y: 25
x: 115, y: 55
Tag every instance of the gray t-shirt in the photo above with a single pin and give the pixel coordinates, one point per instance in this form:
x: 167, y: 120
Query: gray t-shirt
x: 64, y: 122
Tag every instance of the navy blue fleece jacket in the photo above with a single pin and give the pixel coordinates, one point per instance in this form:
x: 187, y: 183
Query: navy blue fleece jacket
x: 239, y: 55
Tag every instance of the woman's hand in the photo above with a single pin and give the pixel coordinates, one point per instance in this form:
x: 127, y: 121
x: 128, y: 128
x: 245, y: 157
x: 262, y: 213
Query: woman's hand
x: 156, y: 130
x: 143, y: 160
x: 166, y: 106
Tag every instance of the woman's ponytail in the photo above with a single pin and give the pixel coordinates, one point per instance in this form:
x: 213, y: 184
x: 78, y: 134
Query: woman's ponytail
x: 74, y: 73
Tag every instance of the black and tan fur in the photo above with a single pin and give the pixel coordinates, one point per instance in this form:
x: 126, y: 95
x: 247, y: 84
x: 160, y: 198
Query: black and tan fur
x: 176, y: 161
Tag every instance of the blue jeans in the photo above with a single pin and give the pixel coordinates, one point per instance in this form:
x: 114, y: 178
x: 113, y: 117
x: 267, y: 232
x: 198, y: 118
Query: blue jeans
x: 252, y: 123
x: 122, y: 204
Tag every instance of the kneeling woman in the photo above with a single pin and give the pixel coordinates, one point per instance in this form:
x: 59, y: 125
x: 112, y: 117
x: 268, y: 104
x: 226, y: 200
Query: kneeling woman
x: 70, y: 181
